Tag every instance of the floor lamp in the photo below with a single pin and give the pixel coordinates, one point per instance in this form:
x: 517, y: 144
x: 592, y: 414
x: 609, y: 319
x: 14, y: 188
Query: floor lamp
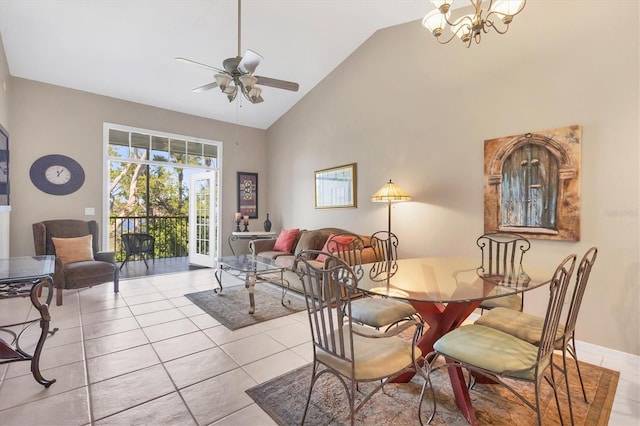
x: 387, y: 194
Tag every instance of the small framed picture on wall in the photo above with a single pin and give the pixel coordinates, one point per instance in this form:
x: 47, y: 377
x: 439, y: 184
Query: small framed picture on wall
x: 248, y: 194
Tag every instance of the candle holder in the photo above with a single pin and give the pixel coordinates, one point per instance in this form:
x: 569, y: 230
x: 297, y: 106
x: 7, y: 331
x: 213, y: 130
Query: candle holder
x: 246, y: 226
x: 238, y: 224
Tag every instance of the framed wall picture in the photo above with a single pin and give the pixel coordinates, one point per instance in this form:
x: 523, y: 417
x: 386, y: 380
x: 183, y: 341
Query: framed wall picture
x: 4, y: 167
x: 336, y: 187
x: 248, y: 194
x: 532, y: 184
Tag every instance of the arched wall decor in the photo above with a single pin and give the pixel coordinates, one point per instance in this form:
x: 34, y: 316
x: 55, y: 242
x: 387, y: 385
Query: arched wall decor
x: 532, y: 184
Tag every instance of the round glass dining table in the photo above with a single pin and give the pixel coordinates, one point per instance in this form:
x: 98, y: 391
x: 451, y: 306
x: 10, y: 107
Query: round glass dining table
x: 445, y: 291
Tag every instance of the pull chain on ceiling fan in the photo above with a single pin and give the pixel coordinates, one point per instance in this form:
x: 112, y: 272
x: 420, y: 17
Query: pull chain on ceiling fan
x: 236, y: 74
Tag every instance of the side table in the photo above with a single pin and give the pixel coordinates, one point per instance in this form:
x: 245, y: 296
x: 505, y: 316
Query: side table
x: 249, y: 235
x: 22, y: 277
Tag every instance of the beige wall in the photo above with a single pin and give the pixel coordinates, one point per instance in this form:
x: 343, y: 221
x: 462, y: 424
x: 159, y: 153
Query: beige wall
x: 407, y: 108
x: 48, y: 119
x: 4, y: 88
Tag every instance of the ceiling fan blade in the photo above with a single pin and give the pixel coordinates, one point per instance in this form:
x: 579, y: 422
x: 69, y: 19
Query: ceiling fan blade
x: 189, y: 61
x: 249, y: 62
x: 279, y: 84
x: 206, y: 87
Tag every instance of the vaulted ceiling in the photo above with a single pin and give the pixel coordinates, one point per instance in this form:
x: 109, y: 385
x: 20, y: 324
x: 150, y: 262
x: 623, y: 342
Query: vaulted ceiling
x: 126, y: 48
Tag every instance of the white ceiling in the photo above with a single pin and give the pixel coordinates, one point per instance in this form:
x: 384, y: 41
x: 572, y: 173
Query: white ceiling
x: 126, y: 48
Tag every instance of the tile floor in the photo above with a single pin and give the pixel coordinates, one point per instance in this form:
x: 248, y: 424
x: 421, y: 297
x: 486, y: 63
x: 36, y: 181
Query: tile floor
x: 149, y: 356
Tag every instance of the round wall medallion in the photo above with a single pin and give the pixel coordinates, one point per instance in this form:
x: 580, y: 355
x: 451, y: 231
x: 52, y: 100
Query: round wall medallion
x: 57, y: 174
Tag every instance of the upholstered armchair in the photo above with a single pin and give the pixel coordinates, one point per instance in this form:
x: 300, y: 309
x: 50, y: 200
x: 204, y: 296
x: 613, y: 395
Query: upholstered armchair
x: 79, y: 261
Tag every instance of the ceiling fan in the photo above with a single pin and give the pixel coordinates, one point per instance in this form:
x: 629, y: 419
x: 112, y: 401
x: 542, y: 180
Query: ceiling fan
x: 237, y: 75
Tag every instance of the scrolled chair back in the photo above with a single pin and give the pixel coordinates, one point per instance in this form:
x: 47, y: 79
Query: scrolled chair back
x: 349, y: 248
x: 502, y: 252
x: 385, y: 245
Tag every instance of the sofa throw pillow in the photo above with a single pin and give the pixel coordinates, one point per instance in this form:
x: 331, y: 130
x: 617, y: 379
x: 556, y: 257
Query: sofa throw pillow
x: 71, y: 250
x: 330, y: 245
x: 285, y: 240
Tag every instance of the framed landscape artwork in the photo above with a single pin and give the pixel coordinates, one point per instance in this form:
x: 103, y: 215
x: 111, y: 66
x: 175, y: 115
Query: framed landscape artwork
x: 336, y: 187
x: 532, y: 184
x: 248, y: 194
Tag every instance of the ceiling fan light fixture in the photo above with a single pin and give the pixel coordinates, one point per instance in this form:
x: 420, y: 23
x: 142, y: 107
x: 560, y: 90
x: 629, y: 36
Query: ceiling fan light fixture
x: 254, y: 94
x: 231, y: 93
x: 248, y: 81
x: 223, y: 81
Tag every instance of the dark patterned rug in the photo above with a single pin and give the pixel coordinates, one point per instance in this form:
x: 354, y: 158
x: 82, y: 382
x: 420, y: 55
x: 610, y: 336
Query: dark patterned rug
x: 231, y: 306
x: 283, y: 398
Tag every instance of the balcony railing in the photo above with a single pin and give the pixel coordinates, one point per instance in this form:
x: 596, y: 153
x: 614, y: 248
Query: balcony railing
x: 170, y: 232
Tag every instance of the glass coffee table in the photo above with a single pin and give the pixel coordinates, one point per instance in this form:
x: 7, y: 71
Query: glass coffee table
x: 251, y: 269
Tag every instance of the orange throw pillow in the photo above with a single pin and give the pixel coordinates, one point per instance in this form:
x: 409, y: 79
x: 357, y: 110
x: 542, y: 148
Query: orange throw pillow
x: 285, y: 240
x: 71, y: 250
x: 330, y: 245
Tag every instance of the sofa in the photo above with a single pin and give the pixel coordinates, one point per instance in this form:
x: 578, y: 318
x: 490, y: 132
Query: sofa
x: 305, y: 240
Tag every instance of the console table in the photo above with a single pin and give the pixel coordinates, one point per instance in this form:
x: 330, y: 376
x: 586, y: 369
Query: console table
x: 22, y: 277
x: 249, y: 235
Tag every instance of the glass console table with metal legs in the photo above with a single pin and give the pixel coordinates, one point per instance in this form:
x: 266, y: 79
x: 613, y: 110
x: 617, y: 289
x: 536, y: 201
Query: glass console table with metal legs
x: 249, y: 235
x: 26, y: 277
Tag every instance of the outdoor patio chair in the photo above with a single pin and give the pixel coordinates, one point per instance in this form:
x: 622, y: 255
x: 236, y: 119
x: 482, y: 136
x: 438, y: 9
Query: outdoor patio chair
x: 138, y: 244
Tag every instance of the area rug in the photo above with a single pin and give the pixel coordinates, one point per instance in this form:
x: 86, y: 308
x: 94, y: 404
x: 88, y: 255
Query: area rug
x: 284, y: 397
x: 231, y: 306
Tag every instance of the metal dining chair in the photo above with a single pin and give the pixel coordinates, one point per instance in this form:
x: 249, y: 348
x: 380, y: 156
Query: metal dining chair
x: 350, y: 352
x: 375, y: 311
x: 500, y: 251
x: 498, y: 355
x: 529, y: 327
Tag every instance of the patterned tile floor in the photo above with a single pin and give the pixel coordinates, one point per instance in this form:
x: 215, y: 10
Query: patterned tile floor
x: 149, y: 356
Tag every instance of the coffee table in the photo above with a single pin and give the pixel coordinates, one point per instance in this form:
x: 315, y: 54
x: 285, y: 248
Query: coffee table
x: 251, y: 268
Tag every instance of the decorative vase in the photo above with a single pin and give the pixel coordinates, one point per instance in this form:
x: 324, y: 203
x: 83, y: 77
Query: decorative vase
x: 267, y: 224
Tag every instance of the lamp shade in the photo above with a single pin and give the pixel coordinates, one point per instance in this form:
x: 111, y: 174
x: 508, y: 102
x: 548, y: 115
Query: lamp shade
x: 390, y: 192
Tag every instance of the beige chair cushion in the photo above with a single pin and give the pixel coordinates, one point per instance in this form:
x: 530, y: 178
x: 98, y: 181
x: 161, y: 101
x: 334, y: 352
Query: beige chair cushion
x: 375, y: 357
x: 72, y: 250
x: 491, y: 350
x: 379, y: 312
x: 513, y: 301
x: 519, y: 324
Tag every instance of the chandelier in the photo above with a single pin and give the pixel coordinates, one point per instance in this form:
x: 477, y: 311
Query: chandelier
x: 496, y: 14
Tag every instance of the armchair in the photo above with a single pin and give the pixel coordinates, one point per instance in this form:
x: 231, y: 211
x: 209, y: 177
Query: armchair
x: 86, y: 273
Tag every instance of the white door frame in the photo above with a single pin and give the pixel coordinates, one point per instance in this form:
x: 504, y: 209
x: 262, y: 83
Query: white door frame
x: 208, y: 255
